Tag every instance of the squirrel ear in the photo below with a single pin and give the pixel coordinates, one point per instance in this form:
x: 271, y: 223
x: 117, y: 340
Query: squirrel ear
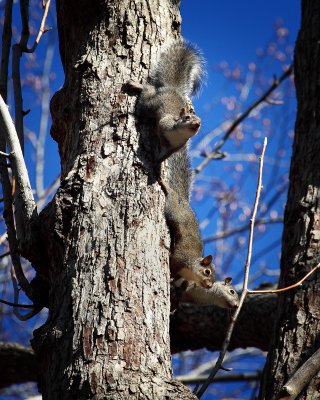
x: 206, y: 260
x: 228, y: 280
x: 182, y: 112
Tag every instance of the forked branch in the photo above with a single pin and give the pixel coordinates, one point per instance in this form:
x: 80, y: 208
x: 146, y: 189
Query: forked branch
x: 265, y: 97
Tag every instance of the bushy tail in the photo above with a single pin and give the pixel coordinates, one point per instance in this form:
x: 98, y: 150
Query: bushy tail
x: 181, y: 66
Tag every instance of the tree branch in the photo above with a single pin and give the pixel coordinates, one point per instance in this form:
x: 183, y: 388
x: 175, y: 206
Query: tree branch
x: 196, y: 327
x: 234, y: 231
x: 24, y: 192
x: 241, y: 377
x: 191, y: 328
x: 17, y: 50
x: 216, y: 151
x: 6, y: 45
x: 17, y: 364
x: 25, y: 201
x: 301, y: 377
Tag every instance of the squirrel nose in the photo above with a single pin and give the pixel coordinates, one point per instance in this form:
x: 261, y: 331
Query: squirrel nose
x: 196, y: 125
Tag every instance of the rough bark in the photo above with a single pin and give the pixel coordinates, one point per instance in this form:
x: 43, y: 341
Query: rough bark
x: 191, y: 328
x: 107, y: 335
x: 296, y: 335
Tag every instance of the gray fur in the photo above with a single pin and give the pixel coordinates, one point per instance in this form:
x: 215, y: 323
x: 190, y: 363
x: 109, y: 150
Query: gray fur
x: 187, y: 79
x: 180, y: 174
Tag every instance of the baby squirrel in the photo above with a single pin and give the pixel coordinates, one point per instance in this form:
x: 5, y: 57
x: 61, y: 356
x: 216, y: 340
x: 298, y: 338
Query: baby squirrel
x: 221, y: 294
x: 166, y: 97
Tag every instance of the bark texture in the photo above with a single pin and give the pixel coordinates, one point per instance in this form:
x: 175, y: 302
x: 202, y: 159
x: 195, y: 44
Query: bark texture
x: 296, y: 335
x: 107, y: 335
x: 191, y: 328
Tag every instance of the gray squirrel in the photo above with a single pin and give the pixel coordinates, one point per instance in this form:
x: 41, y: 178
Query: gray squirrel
x: 221, y: 294
x: 186, y: 259
x: 165, y: 98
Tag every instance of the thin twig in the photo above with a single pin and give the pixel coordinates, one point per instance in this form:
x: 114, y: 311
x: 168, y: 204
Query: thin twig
x: 301, y: 377
x: 241, y: 117
x: 226, y: 342
x: 231, y: 232
x: 17, y: 50
x: 266, y: 291
x: 16, y: 310
x: 9, y: 303
x: 42, y: 28
x: 5, y: 254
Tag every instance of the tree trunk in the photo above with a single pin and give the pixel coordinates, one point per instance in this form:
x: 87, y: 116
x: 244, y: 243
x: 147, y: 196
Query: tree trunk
x: 296, y: 336
x: 107, y: 335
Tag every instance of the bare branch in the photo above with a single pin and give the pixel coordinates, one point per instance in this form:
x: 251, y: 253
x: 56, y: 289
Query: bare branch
x: 194, y: 327
x: 16, y: 311
x: 25, y: 204
x: 287, y: 287
x: 6, y: 45
x: 17, y: 51
x: 241, y: 377
x: 42, y: 29
x: 24, y: 192
x: 301, y: 377
x: 226, y: 342
x: 241, y: 117
x: 17, y: 364
x: 5, y: 254
x: 231, y: 232
x: 9, y: 303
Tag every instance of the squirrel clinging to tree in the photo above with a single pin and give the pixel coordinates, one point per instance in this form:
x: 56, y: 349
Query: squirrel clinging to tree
x: 166, y: 96
x: 165, y: 99
x: 186, y: 259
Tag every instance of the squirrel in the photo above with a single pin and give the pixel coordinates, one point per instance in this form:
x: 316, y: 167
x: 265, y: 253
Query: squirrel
x: 186, y: 259
x: 166, y: 99
x: 221, y: 294
x: 166, y: 96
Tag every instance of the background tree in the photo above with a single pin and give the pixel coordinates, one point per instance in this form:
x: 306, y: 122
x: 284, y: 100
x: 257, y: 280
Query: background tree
x: 296, y: 338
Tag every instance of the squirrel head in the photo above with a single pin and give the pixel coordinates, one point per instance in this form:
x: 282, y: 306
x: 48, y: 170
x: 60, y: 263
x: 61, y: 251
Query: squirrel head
x: 206, y: 272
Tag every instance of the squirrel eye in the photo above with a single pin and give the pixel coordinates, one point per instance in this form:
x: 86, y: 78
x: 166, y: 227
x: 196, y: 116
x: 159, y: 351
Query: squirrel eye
x: 232, y: 291
x: 207, y: 272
